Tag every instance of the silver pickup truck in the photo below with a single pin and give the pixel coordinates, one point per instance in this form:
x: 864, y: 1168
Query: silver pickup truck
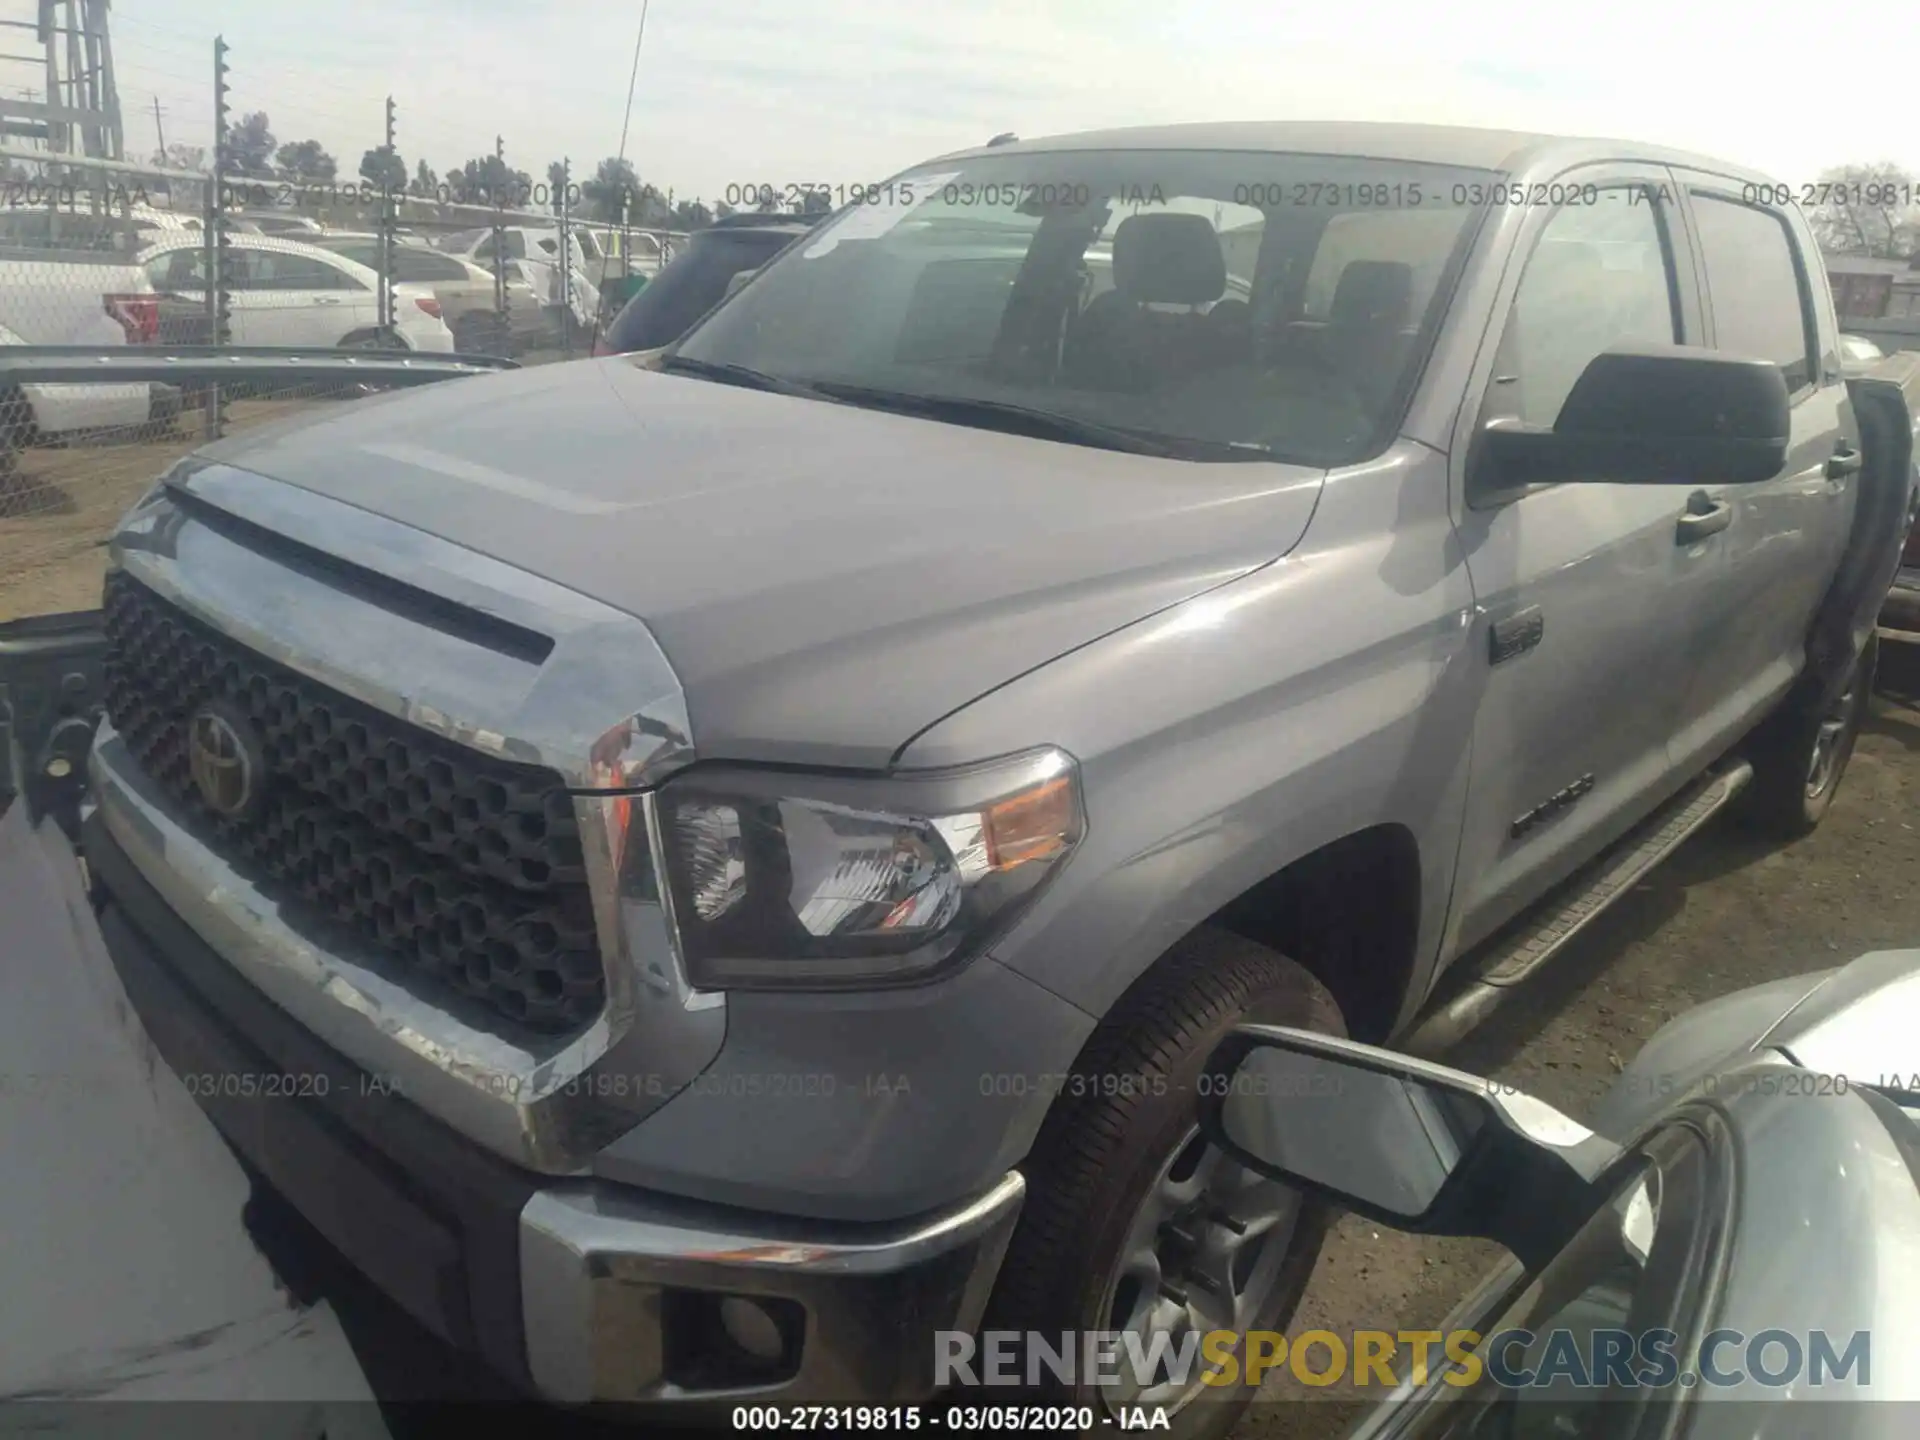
x: 700, y: 872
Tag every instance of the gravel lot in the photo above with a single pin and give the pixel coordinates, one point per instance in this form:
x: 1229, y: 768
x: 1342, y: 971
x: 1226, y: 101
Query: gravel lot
x: 1725, y: 913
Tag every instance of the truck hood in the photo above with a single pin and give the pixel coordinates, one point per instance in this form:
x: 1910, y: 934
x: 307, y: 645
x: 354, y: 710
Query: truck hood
x: 826, y: 581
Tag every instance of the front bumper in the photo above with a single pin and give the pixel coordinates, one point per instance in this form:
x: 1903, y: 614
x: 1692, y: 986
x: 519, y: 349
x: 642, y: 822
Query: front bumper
x: 573, y: 1288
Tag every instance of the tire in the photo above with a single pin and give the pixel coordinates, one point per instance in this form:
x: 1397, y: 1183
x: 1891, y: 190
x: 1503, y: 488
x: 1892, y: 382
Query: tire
x: 1103, y: 1158
x: 1799, y: 756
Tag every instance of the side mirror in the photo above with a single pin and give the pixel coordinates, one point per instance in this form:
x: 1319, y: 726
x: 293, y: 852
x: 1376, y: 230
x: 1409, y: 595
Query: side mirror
x: 734, y: 284
x: 1654, y: 415
x: 1415, y: 1146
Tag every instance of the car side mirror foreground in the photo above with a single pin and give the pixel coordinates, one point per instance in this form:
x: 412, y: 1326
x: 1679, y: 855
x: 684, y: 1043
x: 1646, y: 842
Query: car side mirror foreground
x: 1653, y: 415
x: 1414, y: 1146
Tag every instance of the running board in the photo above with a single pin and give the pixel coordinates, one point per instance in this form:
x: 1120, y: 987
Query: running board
x: 1529, y: 943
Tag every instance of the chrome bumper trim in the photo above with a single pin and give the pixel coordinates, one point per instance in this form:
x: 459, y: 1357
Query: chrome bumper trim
x: 547, y: 1103
x: 595, y: 1260
x: 603, y: 708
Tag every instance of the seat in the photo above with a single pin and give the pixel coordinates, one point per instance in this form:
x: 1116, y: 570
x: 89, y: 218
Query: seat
x: 1365, y: 341
x: 1120, y: 342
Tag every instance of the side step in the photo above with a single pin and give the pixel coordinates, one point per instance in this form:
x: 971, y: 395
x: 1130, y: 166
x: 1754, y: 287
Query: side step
x: 1531, y: 941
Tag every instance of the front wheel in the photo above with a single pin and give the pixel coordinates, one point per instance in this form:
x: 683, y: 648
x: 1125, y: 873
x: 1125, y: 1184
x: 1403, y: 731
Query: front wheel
x: 1133, y: 1223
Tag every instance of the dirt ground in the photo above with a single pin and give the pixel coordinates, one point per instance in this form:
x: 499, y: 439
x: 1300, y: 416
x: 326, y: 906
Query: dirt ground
x: 61, y: 501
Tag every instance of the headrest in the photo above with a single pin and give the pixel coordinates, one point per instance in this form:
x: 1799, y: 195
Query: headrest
x: 1168, y: 259
x: 1373, y: 292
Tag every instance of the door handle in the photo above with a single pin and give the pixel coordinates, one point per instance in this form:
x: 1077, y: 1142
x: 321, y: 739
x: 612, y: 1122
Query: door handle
x: 326, y: 299
x: 1845, y: 461
x: 1704, y: 516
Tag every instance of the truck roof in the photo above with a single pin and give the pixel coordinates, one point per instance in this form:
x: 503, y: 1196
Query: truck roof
x: 1499, y: 150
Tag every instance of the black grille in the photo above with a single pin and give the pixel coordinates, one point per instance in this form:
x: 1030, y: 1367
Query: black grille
x: 461, y: 866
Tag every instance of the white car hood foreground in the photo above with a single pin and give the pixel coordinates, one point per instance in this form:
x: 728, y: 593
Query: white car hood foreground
x: 1859, y: 1021
x: 126, y: 1273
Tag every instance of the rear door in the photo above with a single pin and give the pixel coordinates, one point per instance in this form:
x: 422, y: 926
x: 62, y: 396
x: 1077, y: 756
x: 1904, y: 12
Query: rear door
x: 1783, y: 537
x: 1584, y: 592
x: 304, y: 300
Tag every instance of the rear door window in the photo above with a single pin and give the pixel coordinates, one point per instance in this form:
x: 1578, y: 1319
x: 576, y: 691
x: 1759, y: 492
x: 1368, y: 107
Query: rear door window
x: 424, y: 268
x: 1757, y: 286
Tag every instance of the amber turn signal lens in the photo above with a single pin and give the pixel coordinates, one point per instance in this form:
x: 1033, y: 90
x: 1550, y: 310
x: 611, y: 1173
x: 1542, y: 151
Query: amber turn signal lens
x: 1037, y: 824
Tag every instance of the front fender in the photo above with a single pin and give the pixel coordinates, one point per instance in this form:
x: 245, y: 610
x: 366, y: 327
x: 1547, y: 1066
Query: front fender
x: 1219, y: 741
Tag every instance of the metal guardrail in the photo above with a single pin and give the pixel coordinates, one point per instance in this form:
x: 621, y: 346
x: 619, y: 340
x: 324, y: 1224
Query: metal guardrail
x: 220, y: 365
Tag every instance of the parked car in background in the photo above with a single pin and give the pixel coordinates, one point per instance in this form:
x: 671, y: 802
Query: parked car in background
x: 1753, y: 1172
x: 465, y: 291
x: 620, y: 263
x: 569, y: 295
x: 95, y: 296
x: 697, y: 279
x: 1902, y: 613
x: 151, y: 223
x: 286, y: 293
x: 1858, y: 350
x: 281, y: 222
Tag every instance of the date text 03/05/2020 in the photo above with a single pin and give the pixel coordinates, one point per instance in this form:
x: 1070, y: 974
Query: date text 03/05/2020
x: 952, y: 1419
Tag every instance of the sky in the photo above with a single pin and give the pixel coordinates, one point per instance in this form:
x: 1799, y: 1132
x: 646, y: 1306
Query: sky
x: 840, y: 92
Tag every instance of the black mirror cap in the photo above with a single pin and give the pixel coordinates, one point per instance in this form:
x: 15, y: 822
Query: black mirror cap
x: 1681, y: 392
x: 1655, y: 415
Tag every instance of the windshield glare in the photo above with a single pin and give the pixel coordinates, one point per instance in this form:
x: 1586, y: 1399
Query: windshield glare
x: 1268, y: 300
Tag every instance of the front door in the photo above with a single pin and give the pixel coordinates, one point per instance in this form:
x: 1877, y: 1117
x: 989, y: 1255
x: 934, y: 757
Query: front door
x: 1582, y: 588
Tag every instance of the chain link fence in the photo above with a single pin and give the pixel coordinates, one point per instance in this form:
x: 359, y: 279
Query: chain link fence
x: 106, y: 253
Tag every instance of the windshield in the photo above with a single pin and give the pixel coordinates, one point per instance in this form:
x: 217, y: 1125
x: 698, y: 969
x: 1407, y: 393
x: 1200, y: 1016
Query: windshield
x: 1277, y: 303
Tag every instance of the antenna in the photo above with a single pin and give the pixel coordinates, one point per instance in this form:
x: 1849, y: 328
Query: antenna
x: 626, y: 120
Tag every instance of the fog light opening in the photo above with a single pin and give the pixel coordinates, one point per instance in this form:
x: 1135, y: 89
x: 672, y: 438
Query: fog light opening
x: 749, y: 1325
x: 717, y: 1341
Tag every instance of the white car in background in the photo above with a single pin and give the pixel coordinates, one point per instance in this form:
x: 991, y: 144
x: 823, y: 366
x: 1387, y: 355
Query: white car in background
x: 286, y: 293
x: 533, y: 251
x: 82, y: 297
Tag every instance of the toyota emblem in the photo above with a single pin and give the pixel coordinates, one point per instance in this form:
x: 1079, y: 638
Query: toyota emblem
x: 226, y: 761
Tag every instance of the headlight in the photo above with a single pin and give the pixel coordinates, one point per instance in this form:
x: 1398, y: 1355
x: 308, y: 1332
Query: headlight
x: 786, y: 880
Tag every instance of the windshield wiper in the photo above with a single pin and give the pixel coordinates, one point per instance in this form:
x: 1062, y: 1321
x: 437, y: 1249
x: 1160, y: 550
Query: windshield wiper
x: 1002, y: 415
x: 1043, y: 424
x: 738, y: 375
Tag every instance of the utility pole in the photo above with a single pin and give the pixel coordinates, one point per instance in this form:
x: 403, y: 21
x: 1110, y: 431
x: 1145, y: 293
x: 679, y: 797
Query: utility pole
x: 387, y: 225
x: 159, y: 130
x: 219, y: 315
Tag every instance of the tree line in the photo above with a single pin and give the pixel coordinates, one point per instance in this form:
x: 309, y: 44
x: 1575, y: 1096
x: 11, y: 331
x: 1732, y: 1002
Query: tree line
x: 1866, y: 209
x: 254, y: 151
